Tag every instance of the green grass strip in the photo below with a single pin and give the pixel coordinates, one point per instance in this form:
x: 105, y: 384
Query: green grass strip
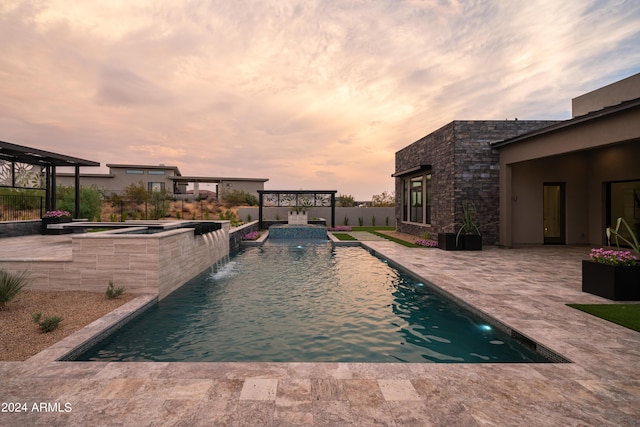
x: 627, y: 315
x: 393, y: 239
x: 344, y: 236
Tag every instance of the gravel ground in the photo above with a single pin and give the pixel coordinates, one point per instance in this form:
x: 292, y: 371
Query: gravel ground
x: 20, y: 338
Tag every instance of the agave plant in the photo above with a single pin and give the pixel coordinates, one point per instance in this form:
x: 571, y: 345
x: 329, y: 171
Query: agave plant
x: 632, y: 241
x: 11, y: 285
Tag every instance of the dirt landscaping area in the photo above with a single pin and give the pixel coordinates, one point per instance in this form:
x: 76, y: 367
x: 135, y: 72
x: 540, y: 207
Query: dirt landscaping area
x: 20, y: 337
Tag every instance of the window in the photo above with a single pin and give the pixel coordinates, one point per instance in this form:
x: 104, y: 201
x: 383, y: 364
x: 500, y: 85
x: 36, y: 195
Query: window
x: 155, y: 172
x: 135, y: 172
x: 416, y: 201
x: 415, y: 189
x: 156, y: 186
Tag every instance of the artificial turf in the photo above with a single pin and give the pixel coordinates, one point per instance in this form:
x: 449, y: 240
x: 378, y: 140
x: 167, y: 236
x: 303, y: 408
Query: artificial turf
x: 344, y: 236
x: 627, y: 315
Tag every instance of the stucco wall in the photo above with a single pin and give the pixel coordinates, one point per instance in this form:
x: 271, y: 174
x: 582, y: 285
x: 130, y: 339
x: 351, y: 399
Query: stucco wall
x: 367, y: 214
x: 615, y: 93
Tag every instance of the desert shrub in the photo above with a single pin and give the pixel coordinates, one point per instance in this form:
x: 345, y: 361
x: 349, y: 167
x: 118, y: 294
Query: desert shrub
x: 48, y: 324
x: 360, y: 221
x: 239, y: 197
x: 11, y: 285
x: 90, y: 201
x: 113, y: 292
x: 231, y: 217
x: 346, y: 220
x: 373, y: 221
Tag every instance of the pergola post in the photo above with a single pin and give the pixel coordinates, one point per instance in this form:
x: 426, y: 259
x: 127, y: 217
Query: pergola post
x: 260, y: 209
x: 76, y: 214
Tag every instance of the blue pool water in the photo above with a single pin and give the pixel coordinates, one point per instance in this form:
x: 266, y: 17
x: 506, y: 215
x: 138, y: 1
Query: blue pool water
x: 308, y: 302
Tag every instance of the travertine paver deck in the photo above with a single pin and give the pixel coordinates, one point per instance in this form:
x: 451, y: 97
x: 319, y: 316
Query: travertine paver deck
x: 524, y: 288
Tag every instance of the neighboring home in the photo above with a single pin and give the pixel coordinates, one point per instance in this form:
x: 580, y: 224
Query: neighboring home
x: 532, y: 182
x: 159, y: 177
x: 451, y: 166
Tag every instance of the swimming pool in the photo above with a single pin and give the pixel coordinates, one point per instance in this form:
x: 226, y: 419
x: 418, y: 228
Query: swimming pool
x: 308, y: 302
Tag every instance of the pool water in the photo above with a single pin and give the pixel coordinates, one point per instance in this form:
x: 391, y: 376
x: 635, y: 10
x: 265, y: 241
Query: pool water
x: 308, y: 302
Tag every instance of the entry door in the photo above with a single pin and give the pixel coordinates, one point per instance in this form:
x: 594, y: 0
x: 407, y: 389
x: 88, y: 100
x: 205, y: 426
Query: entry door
x: 553, y: 217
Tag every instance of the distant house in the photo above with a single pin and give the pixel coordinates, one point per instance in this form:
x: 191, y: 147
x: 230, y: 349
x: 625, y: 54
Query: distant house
x: 159, y: 177
x: 532, y: 182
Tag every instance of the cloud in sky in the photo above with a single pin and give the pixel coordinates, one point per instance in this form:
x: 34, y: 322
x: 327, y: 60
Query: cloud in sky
x: 310, y: 94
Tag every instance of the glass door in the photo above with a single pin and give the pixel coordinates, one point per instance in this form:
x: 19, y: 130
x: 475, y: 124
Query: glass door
x: 553, y: 217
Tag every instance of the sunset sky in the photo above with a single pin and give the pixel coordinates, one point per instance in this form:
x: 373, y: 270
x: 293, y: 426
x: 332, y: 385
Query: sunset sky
x: 310, y: 94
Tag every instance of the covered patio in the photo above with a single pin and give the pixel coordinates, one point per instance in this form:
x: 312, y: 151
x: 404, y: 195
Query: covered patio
x: 27, y: 167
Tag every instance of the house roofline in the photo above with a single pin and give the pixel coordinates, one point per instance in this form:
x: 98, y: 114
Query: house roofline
x: 605, y: 112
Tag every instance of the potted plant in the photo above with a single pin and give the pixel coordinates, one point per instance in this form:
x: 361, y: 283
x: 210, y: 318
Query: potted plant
x: 614, y: 274
x: 55, y: 217
x: 469, y: 231
x: 448, y: 241
x: 467, y: 237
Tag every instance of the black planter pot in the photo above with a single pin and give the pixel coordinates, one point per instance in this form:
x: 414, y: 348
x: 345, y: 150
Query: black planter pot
x: 55, y: 231
x: 447, y: 242
x: 616, y: 283
x: 471, y: 242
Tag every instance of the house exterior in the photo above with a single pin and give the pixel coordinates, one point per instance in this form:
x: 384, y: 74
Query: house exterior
x: 159, y: 177
x: 566, y: 183
x: 154, y: 177
x: 451, y: 166
x: 532, y: 182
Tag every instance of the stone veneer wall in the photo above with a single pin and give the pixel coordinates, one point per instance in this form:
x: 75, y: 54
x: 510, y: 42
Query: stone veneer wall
x: 20, y: 228
x: 464, y: 169
x: 236, y: 234
x: 142, y: 263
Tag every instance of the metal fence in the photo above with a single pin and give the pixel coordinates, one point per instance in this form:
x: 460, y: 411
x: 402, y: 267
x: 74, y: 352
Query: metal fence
x: 16, y: 207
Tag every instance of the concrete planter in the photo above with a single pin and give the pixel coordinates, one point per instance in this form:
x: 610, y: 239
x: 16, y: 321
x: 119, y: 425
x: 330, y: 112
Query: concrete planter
x: 613, y: 282
x: 298, y: 218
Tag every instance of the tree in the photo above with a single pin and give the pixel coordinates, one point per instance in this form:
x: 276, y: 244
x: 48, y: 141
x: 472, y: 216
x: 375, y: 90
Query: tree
x: 386, y: 199
x: 137, y: 192
x: 344, y: 201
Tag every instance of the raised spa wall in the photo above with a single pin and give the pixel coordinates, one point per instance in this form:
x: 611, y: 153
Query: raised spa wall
x: 142, y: 263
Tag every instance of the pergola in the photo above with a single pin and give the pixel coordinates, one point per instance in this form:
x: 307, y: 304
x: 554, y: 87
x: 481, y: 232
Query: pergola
x: 14, y: 172
x: 297, y: 198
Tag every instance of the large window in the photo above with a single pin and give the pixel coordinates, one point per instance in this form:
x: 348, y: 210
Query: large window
x: 416, y: 202
x: 135, y: 172
x: 156, y: 186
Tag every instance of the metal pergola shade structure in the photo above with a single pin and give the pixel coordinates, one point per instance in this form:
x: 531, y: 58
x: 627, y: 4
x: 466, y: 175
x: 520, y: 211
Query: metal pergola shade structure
x: 18, y: 154
x: 297, y: 199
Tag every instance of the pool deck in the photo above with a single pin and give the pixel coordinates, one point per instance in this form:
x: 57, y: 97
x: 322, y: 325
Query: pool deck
x: 526, y: 289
